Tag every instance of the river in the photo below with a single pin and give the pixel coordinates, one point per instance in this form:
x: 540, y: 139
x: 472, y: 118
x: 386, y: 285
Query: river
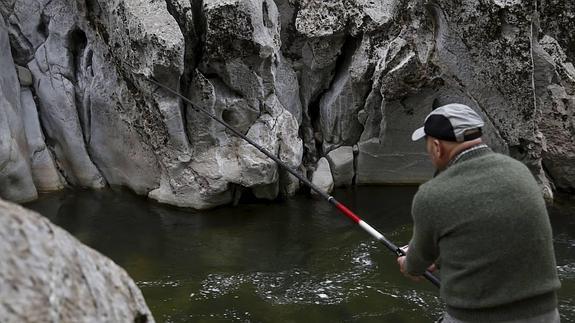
x: 293, y: 261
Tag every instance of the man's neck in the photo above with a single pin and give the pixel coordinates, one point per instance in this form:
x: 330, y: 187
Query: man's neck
x: 464, y: 146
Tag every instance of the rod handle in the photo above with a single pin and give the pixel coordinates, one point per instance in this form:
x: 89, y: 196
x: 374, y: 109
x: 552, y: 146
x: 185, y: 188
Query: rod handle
x: 427, y: 274
x: 431, y: 277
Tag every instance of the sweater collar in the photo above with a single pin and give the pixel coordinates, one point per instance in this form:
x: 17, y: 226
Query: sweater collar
x: 469, y: 153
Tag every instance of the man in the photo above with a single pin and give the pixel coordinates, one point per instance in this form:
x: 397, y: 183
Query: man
x: 482, y: 221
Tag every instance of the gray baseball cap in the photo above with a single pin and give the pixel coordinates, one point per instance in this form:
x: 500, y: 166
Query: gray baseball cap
x: 451, y: 122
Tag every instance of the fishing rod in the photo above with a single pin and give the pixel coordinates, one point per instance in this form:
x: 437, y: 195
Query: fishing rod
x: 342, y: 208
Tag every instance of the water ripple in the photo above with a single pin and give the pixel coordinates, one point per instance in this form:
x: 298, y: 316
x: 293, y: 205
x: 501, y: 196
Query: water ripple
x: 566, y: 271
x: 564, y: 239
x: 167, y: 282
x: 298, y: 286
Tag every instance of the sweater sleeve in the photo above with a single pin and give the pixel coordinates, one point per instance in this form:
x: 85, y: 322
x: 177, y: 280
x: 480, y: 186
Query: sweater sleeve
x: 423, y: 249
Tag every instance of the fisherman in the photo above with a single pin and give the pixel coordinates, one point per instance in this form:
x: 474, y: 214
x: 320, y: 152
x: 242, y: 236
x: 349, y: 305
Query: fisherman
x: 482, y: 221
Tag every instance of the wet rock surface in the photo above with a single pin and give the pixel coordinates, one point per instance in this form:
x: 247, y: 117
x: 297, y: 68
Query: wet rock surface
x: 301, y: 77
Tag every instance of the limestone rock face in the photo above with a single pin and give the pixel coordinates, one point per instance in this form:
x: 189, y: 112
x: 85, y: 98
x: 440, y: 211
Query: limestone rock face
x: 392, y: 157
x: 478, y: 56
x: 44, y: 172
x: 15, y: 175
x: 48, y: 275
x: 340, y: 105
x: 242, y: 80
x: 101, y: 123
x: 511, y: 78
x: 555, y: 87
x: 88, y: 114
x: 54, y: 75
x: 300, y: 77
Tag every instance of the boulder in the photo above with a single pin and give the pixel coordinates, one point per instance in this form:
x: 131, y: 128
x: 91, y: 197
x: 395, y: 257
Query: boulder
x: 193, y: 190
x: 322, y: 177
x: 46, y: 274
x: 341, y: 163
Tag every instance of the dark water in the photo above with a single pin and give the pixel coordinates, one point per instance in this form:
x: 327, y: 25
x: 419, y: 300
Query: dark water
x: 294, y: 261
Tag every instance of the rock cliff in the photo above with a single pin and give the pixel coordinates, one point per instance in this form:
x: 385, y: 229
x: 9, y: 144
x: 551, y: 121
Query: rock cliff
x: 303, y: 78
x: 48, y: 276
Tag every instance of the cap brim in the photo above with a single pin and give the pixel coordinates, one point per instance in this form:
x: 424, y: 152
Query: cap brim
x: 418, y: 134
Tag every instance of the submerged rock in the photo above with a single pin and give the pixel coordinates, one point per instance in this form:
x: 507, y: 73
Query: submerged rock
x: 48, y: 275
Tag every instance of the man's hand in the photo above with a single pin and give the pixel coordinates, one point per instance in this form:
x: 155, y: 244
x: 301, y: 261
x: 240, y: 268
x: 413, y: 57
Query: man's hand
x: 401, y: 263
x: 405, y: 249
x: 402, y: 269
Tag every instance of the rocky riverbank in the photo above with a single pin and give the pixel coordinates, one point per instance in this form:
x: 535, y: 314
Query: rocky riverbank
x: 330, y: 87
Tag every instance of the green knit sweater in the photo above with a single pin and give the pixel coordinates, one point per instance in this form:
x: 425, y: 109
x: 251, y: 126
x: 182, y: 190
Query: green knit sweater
x: 484, y: 221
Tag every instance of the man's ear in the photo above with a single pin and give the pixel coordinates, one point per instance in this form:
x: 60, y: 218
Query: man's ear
x: 437, y: 148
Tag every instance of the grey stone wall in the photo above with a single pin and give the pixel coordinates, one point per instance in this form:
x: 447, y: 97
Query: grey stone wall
x: 300, y: 77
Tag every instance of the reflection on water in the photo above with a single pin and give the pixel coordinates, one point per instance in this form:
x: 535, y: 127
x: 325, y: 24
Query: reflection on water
x: 293, y: 261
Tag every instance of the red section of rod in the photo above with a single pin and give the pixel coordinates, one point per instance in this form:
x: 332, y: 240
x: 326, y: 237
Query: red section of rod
x: 347, y: 212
